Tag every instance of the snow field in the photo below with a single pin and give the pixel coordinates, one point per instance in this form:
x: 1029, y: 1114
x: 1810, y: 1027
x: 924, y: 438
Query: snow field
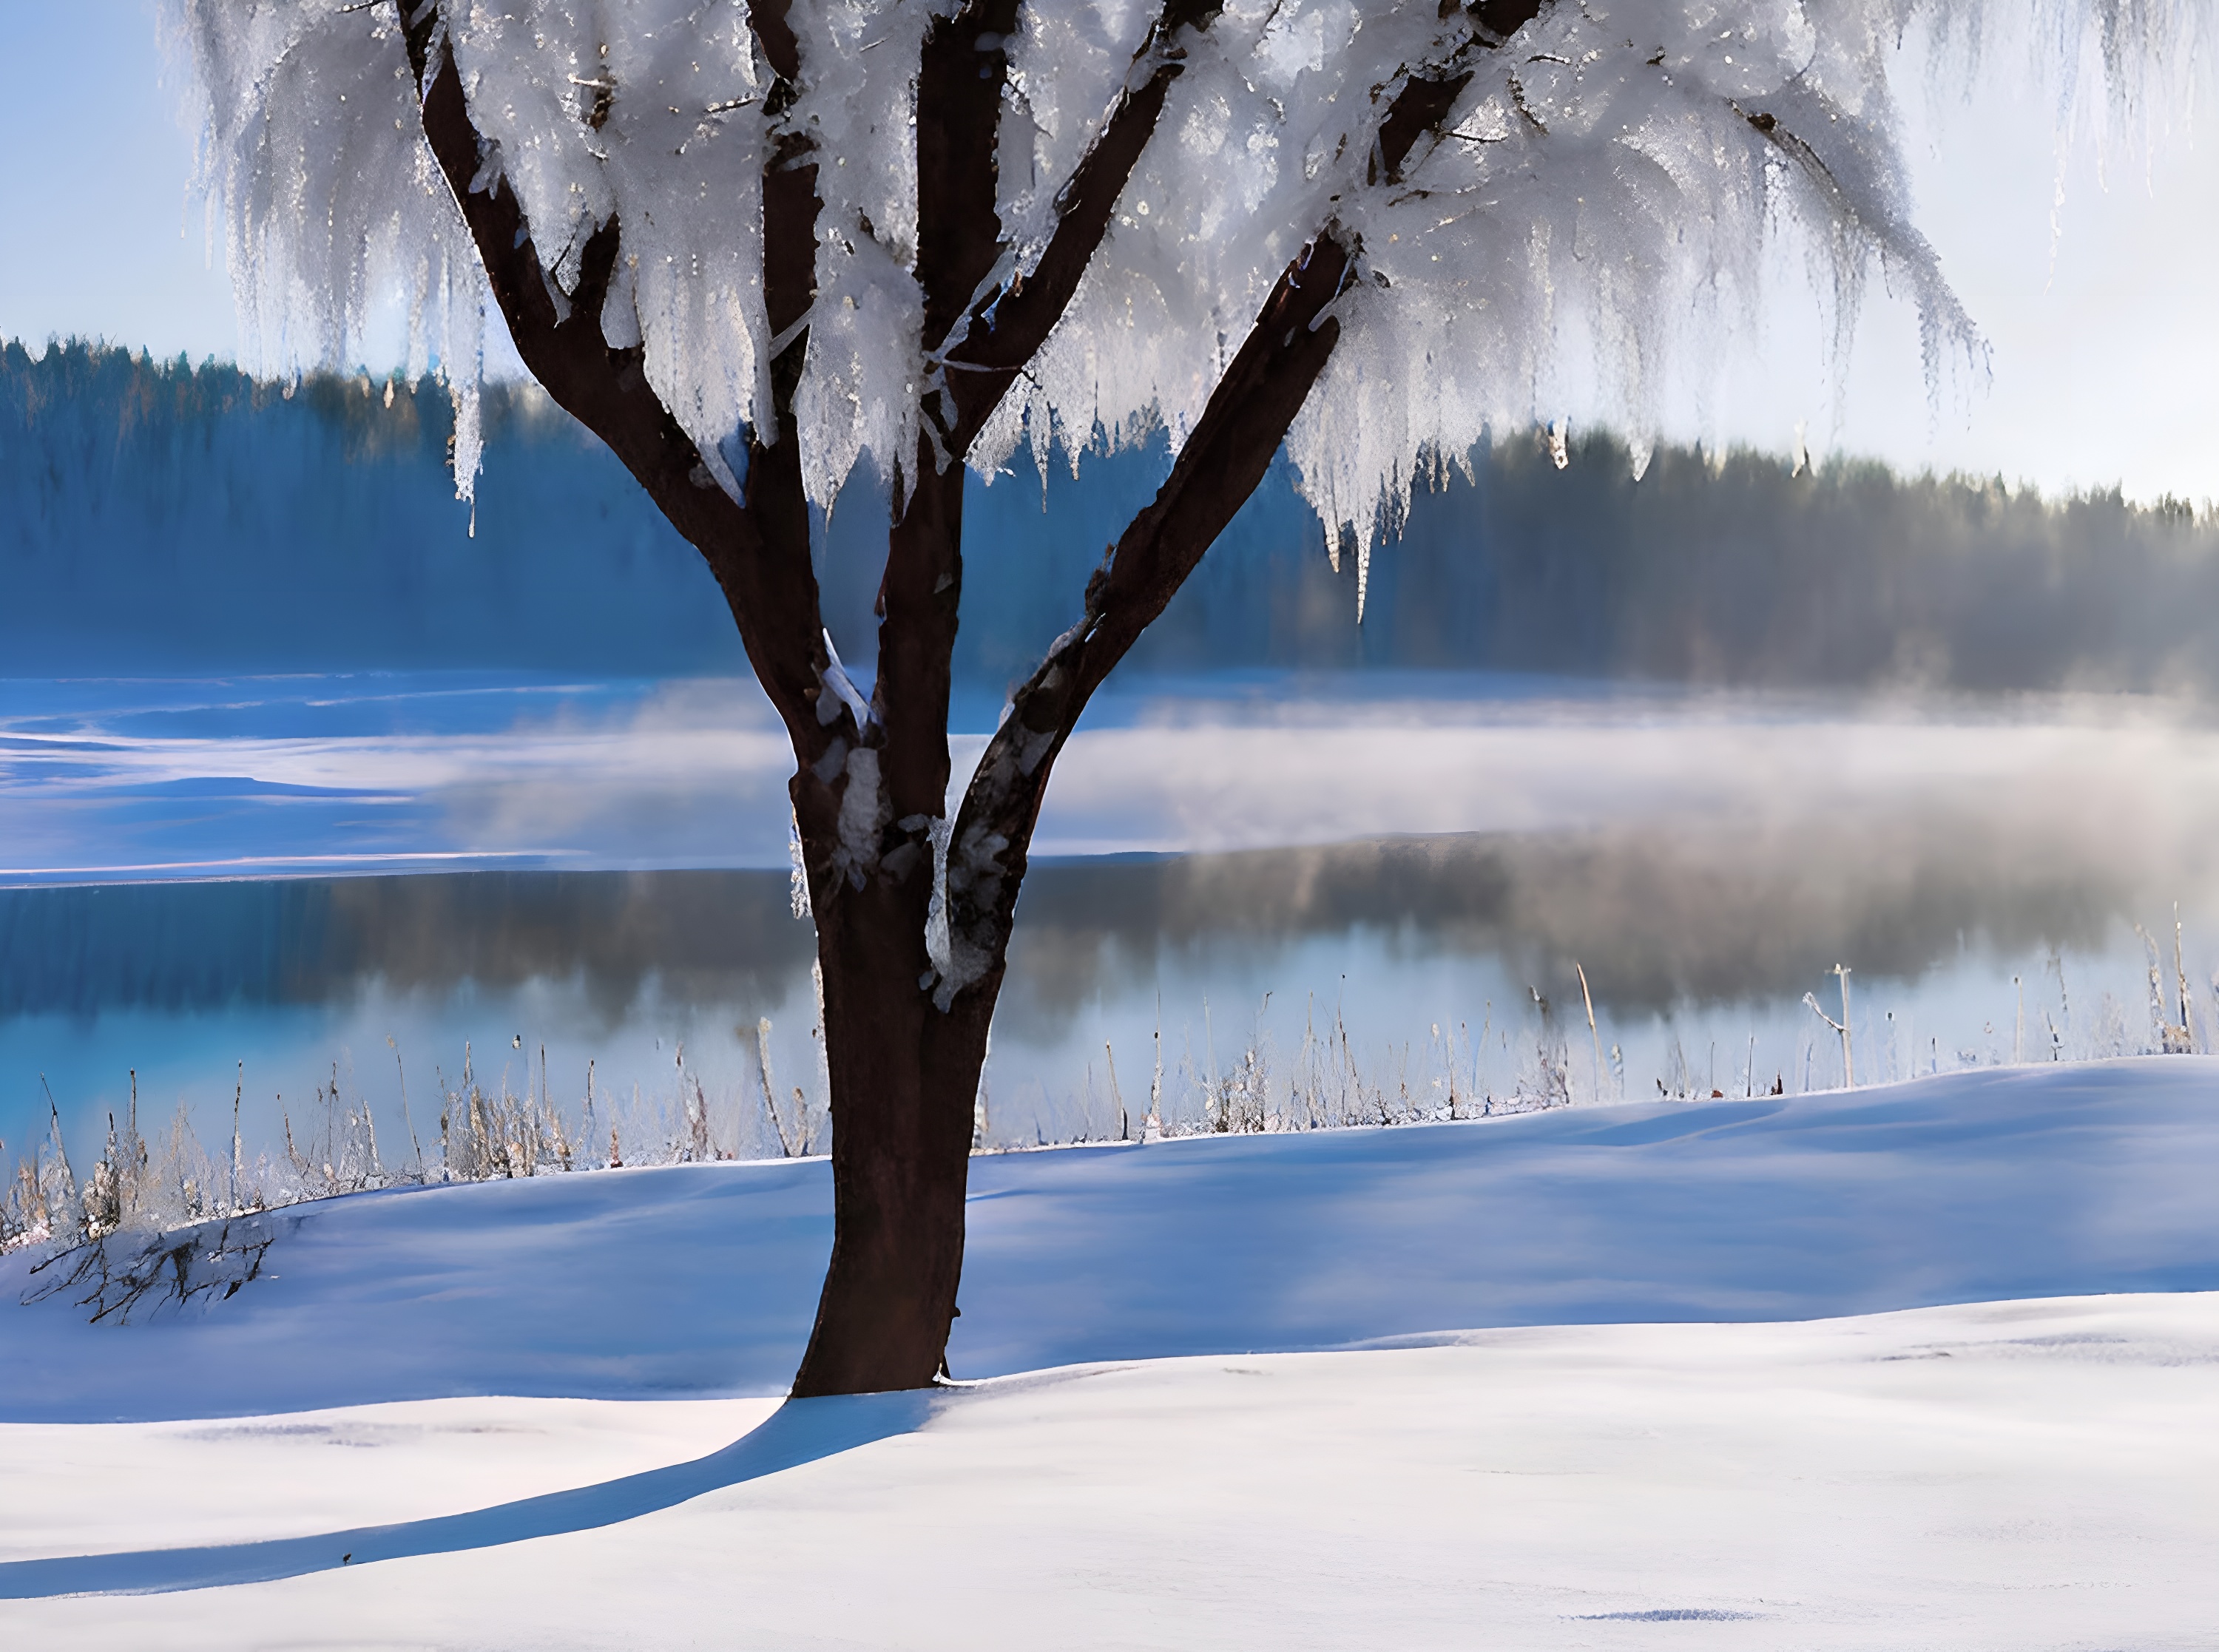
x: 2010, y: 1475
x: 2032, y: 1471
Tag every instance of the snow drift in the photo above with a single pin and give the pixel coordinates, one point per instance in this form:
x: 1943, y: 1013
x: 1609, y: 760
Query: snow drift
x: 701, y: 1280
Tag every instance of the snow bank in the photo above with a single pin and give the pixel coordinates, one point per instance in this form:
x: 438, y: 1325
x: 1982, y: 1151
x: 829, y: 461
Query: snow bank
x: 701, y: 1280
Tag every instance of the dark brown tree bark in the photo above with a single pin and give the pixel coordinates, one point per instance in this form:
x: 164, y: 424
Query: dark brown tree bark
x: 906, y: 1037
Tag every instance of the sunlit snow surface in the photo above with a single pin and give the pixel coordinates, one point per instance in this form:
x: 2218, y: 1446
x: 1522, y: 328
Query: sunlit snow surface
x: 2001, y: 1478
x: 2021, y: 1474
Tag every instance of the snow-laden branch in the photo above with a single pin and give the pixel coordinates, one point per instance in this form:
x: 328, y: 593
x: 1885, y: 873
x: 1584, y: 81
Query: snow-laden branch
x: 749, y: 522
x: 1133, y: 179
x: 1255, y: 401
x: 981, y: 862
x: 1028, y: 289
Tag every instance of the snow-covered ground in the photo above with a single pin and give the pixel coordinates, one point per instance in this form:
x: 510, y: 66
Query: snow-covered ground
x: 2015, y: 1475
x: 1155, y: 1460
x: 697, y: 1280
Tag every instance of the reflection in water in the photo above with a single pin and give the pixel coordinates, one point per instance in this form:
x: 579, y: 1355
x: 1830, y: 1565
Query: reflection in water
x: 1698, y: 938
x: 195, y: 948
x: 1229, y: 864
x: 1661, y: 917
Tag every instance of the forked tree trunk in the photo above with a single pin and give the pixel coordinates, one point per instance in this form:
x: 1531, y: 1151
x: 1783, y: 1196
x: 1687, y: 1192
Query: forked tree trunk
x: 905, y: 1034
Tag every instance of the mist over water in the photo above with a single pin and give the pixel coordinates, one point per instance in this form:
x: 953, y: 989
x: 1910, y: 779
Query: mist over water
x: 291, y: 764
x: 1743, y: 917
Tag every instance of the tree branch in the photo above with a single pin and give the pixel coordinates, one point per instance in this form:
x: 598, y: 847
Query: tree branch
x: 959, y: 111
x: 962, y: 71
x: 1230, y: 447
x: 758, y: 547
x: 1007, y: 327
x: 963, y: 68
x: 1247, y: 416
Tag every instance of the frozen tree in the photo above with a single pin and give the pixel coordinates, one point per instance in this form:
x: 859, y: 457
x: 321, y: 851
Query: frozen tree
x: 749, y: 242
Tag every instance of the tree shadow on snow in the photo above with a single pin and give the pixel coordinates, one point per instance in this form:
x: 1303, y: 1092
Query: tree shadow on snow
x: 798, y: 1433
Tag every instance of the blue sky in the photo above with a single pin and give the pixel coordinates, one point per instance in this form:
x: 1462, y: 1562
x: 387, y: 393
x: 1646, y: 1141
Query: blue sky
x: 2104, y: 337
x: 96, y: 161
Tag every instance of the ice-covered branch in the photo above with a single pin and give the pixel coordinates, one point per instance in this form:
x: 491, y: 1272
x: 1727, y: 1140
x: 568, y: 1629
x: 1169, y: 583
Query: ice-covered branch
x: 1058, y: 220
x: 751, y: 528
x: 1250, y: 409
x: 1012, y: 318
x: 1232, y: 446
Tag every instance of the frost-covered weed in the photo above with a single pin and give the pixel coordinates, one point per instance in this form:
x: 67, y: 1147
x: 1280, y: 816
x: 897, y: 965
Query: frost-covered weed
x: 1333, y: 1080
x: 160, y: 1219
x: 113, y: 1275
x: 141, y: 1188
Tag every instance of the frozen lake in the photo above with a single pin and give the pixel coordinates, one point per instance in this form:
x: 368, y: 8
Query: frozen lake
x: 288, y: 872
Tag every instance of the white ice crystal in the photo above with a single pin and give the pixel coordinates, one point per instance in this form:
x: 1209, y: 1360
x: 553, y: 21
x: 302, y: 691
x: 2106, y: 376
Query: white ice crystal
x: 1606, y: 186
x: 332, y: 203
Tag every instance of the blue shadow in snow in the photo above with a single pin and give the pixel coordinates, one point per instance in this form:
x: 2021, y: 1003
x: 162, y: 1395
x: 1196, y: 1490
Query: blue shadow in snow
x: 800, y: 1432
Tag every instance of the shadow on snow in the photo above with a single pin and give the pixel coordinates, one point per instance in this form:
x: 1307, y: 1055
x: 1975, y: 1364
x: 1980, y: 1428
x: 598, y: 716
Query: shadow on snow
x: 798, y: 1433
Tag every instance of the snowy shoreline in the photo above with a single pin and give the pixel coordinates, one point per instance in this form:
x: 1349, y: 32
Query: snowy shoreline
x: 700, y: 1281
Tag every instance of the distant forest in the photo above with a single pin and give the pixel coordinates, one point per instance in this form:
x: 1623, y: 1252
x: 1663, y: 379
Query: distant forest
x: 159, y: 517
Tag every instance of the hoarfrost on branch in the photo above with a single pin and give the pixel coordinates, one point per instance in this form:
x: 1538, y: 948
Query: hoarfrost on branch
x: 1613, y: 174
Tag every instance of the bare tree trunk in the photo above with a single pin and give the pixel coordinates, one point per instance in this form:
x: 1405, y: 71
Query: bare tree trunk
x: 901, y: 1146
